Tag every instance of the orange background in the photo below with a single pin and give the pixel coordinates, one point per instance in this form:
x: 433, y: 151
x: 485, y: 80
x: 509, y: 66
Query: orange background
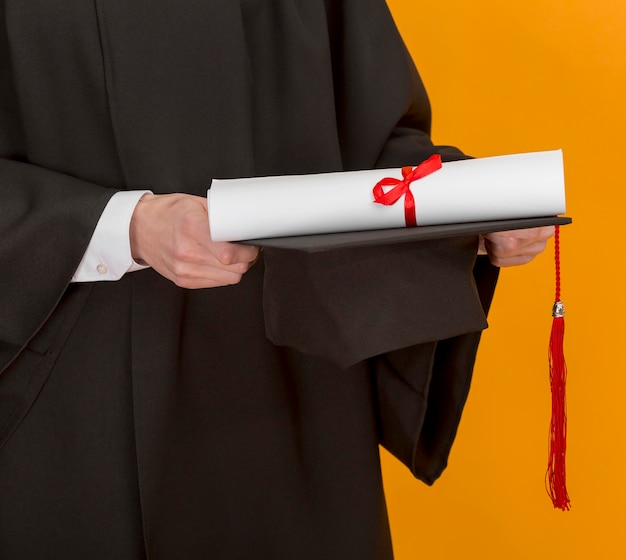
x: 506, y: 77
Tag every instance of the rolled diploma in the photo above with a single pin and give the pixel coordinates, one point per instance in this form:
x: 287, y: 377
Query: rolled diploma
x: 494, y: 188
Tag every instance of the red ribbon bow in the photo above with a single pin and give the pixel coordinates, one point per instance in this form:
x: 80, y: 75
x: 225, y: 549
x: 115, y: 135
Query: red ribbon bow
x: 402, y: 187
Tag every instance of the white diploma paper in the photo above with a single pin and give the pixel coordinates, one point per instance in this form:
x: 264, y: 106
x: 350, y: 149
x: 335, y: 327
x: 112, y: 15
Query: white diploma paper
x: 495, y: 188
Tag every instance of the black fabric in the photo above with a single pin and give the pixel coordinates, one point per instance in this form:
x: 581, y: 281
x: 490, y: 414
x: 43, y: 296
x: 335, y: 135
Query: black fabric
x: 138, y: 419
x: 421, y: 436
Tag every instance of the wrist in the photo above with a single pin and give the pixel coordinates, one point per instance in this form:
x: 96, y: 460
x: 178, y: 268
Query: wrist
x: 135, y: 227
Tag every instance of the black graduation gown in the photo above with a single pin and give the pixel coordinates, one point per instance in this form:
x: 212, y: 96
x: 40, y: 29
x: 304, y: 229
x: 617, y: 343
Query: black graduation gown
x: 138, y: 419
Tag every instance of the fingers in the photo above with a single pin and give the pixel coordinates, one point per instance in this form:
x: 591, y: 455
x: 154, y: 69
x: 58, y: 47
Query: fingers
x: 233, y: 254
x: 210, y: 266
x: 205, y: 269
x: 517, y: 247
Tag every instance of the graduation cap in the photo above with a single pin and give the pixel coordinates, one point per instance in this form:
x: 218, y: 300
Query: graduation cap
x: 315, y: 218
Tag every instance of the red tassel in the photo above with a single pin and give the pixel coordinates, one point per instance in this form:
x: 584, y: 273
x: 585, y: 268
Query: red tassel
x: 555, y: 476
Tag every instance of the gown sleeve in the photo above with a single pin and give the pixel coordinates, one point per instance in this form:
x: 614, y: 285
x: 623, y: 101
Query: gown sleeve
x: 46, y: 221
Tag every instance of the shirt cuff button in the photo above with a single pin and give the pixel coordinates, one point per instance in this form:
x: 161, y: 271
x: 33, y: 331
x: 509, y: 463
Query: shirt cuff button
x: 102, y: 269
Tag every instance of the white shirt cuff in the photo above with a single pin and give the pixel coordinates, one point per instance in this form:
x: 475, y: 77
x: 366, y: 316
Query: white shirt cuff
x: 108, y: 255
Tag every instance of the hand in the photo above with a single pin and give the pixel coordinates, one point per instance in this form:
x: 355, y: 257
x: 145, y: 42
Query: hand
x: 510, y: 248
x: 171, y: 234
